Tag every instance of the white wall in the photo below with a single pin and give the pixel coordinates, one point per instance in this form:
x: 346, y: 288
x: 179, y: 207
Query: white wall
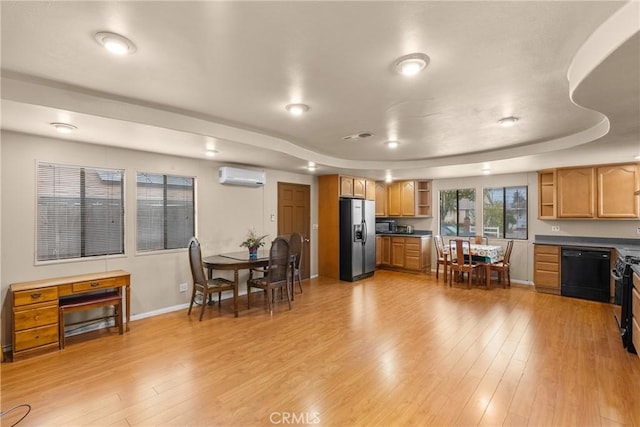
x: 223, y: 216
x: 522, y: 256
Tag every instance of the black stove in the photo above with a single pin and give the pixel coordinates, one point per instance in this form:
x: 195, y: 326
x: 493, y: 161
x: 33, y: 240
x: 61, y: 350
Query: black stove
x: 623, y: 276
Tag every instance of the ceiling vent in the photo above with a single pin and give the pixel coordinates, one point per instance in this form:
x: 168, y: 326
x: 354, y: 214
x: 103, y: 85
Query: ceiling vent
x: 236, y: 176
x: 361, y: 135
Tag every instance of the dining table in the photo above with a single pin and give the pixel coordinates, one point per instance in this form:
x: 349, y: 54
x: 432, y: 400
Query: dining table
x: 235, y: 261
x: 484, y: 255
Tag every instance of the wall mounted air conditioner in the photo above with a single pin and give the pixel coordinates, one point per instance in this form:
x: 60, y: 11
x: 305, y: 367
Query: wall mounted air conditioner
x: 237, y: 176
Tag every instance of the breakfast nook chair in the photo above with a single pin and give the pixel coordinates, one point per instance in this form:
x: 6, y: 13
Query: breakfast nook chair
x: 206, y: 287
x: 461, y: 262
x: 502, y: 267
x: 439, y: 242
x: 276, y: 276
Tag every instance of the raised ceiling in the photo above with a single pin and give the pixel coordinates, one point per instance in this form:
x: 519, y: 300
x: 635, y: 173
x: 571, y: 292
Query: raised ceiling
x: 219, y: 74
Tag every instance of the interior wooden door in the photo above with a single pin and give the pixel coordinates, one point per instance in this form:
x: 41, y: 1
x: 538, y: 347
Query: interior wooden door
x: 294, y: 215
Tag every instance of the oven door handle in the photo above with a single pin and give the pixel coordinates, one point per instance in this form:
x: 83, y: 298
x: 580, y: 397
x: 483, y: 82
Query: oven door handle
x: 616, y: 277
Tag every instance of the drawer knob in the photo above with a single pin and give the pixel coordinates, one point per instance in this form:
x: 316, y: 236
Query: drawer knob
x: 95, y: 284
x: 36, y: 317
x: 36, y: 295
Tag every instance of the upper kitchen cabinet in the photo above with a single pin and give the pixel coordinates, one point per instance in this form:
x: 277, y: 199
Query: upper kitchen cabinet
x: 616, y: 185
x: 547, y: 194
x: 404, y: 198
x: 576, y: 193
x: 589, y: 192
x: 381, y: 199
x: 358, y: 188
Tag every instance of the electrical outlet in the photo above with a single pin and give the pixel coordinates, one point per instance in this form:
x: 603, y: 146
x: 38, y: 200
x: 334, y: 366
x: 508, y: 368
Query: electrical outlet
x: 555, y: 228
x: 183, y: 287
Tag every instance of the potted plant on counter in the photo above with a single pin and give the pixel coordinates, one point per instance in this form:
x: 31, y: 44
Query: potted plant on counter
x: 253, y: 242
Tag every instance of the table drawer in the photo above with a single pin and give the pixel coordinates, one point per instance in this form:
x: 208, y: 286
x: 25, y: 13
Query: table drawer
x: 27, y: 319
x: 93, y: 285
x: 635, y: 303
x: 33, y: 296
x: 36, y: 337
x: 635, y: 335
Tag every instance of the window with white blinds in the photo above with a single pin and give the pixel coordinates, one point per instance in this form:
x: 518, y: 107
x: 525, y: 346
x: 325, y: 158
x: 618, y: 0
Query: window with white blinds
x: 165, y: 211
x: 80, y: 212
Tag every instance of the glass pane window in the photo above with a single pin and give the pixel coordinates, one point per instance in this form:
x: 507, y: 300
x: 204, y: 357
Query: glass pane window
x: 457, y: 212
x: 165, y: 211
x: 80, y: 212
x: 505, y: 212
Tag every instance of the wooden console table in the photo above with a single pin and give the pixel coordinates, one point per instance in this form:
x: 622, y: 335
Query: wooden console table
x: 36, y: 307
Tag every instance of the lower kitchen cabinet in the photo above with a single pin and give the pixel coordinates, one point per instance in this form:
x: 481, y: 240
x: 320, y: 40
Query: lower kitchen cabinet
x: 546, y: 268
x: 407, y: 253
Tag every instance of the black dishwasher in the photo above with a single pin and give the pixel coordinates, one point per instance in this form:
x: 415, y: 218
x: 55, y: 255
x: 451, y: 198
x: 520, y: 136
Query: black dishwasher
x: 585, y: 274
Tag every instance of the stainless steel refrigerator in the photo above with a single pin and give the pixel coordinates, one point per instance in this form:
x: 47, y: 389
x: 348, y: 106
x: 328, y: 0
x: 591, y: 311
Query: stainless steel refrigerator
x: 357, y: 239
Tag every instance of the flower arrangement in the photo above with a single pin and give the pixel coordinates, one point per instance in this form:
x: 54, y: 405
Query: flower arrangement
x: 253, y: 240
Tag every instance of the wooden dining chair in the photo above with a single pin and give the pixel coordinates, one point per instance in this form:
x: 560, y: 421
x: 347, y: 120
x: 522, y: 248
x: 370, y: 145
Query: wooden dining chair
x: 201, y: 284
x: 276, y: 276
x: 461, y: 263
x: 503, y: 267
x: 439, y: 243
x: 295, y: 248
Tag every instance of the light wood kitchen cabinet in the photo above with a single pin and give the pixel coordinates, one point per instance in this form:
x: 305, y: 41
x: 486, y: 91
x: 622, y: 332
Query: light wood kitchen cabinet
x: 404, y: 198
x: 381, y: 198
x: 576, y: 193
x: 408, y: 198
x: 547, y: 194
x: 397, y: 252
x: 589, y: 192
x: 616, y: 185
x: 383, y: 250
x: 370, y: 189
x: 423, y: 198
x: 412, y: 254
x: 353, y: 187
x: 546, y: 268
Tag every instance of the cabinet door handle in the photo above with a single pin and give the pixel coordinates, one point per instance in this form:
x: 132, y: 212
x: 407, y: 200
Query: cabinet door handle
x: 95, y: 284
x: 36, y: 295
x: 36, y: 317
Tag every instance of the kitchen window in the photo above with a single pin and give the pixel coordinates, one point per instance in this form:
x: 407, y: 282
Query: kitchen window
x: 458, y: 212
x: 165, y: 211
x: 80, y: 212
x: 504, y: 212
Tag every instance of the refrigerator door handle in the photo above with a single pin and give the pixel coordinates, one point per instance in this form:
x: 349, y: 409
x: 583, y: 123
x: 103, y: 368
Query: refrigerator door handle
x: 364, y: 232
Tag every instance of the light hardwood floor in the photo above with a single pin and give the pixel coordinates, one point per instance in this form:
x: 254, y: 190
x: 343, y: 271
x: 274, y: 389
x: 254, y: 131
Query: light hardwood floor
x: 393, y: 350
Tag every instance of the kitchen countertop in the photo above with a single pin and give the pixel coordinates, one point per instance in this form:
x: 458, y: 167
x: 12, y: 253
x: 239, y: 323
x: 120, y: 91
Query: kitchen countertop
x: 416, y: 233
x: 624, y: 246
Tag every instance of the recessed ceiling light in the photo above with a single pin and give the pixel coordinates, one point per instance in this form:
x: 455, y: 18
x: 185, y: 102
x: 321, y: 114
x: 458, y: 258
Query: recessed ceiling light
x: 211, y: 152
x: 297, y: 109
x: 392, y: 144
x: 637, y: 157
x: 412, y: 64
x: 388, y: 179
x: 507, y: 122
x: 486, y: 171
x: 115, y: 43
x: 64, y: 127
x: 311, y: 166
